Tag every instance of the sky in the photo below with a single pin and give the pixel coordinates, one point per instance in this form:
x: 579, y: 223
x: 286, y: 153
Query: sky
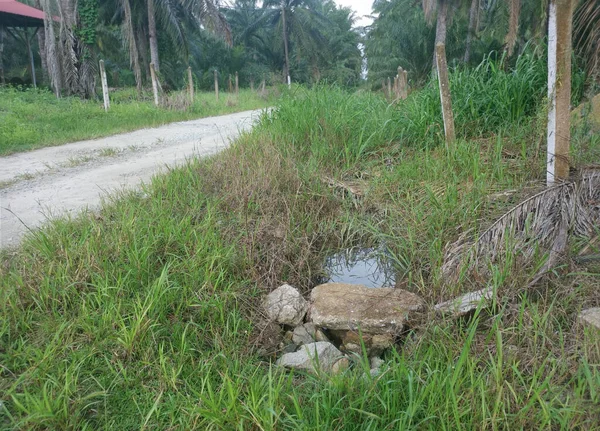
x: 361, y: 7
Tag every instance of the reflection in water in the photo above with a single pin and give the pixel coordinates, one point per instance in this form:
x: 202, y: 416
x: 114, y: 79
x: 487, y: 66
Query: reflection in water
x: 367, y: 266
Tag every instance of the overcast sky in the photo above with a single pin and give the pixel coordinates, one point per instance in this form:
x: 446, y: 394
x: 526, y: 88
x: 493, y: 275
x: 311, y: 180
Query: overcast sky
x: 361, y: 7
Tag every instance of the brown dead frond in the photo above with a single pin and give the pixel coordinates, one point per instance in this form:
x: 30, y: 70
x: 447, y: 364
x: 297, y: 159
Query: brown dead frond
x: 544, y: 221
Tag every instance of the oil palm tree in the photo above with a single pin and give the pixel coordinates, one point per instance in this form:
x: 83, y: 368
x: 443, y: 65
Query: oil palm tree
x: 299, y: 21
x: 172, y: 18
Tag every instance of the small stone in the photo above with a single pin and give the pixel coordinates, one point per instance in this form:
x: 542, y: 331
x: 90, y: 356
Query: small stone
x: 320, y: 336
x: 354, y: 348
x: 302, y: 334
x: 590, y: 318
x: 290, y: 348
x: 310, y: 356
x: 376, y: 362
x: 340, y: 366
x: 466, y: 304
x: 380, y: 343
x: 286, y: 306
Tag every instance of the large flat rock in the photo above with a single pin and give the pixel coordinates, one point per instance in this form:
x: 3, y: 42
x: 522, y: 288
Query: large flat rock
x: 351, y: 307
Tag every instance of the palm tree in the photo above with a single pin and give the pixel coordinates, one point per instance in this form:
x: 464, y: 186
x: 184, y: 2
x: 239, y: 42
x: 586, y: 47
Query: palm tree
x: 174, y: 18
x: 299, y: 20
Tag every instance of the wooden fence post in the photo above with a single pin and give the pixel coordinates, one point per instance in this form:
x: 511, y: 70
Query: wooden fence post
x: 560, y: 19
x: 237, y: 84
x: 104, y: 86
x: 402, y: 84
x: 442, y: 69
x: 154, y: 83
x: 263, y: 86
x: 252, y: 84
x: 389, y: 88
x: 230, y: 84
x: 216, y: 85
x: 191, y: 85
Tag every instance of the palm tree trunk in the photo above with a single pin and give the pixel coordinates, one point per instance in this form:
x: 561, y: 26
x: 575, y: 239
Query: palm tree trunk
x: 152, y: 33
x: 41, y: 37
x: 2, y: 79
x: 441, y: 27
x: 471, y: 32
x: 285, y: 45
x: 559, y: 88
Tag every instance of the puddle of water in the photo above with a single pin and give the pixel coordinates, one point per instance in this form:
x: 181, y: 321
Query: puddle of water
x: 367, y: 266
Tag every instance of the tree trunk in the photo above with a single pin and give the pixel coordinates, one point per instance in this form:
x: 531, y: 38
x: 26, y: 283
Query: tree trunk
x: 513, y: 27
x: 473, y: 12
x: 560, y: 20
x: 41, y: 37
x: 52, y: 54
x: 285, y: 45
x: 152, y: 36
x: 441, y: 27
x: 2, y: 78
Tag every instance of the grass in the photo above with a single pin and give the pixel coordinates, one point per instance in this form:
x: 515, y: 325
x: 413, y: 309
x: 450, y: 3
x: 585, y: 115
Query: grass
x: 31, y: 119
x: 144, y: 315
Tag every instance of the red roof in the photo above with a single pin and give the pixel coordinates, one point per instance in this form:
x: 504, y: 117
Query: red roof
x: 15, y: 14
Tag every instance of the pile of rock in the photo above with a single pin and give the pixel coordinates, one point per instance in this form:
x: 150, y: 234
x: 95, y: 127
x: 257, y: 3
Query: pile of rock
x: 340, y: 321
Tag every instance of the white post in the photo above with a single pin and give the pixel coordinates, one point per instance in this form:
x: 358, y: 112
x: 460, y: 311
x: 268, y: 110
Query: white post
x: 191, y: 84
x: 154, y: 83
x: 442, y: 69
x: 104, y: 86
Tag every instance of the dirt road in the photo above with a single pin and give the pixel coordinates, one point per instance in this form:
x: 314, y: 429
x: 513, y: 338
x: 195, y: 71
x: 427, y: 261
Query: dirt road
x: 54, y: 181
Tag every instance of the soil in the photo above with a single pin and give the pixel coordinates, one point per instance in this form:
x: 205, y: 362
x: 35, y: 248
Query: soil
x: 64, y: 180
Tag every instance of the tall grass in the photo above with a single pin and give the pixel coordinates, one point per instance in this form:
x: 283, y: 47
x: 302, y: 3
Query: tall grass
x: 143, y: 316
x: 486, y: 100
x: 32, y: 118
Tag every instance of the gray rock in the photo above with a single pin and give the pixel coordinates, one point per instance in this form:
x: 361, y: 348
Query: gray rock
x: 590, y: 318
x: 466, y: 304
x: 341, y: 306
x: 376, y: 362
x: 353, y: 348
x: 320, y: 336
x: 304, y: 334
x: 340, y: 366
x: 286, y: 306
x: 380, y: 343
x: 312, y: 357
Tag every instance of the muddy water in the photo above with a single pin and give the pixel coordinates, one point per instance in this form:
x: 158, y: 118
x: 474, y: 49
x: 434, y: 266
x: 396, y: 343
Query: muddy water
x: 367, y: 266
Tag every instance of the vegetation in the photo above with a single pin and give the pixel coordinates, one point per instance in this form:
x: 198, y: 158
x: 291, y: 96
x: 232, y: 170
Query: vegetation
x: 31, y: 119
x: 145, y: 315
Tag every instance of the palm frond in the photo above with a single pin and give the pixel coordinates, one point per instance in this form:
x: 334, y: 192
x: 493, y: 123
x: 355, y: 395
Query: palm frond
x: 586, y: 26
x: 541, y: 222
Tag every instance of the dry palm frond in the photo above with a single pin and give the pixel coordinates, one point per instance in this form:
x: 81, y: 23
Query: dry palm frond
x: 542, y: 222
x: 129, y: 38
x: 513, y: 26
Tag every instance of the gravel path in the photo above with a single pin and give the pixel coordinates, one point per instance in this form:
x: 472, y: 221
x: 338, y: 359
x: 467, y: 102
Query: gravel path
x: 38, y: 185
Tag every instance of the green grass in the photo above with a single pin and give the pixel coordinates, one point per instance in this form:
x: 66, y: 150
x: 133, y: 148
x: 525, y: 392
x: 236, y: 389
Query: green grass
x: 31, y: 119
x: 144, y: 315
